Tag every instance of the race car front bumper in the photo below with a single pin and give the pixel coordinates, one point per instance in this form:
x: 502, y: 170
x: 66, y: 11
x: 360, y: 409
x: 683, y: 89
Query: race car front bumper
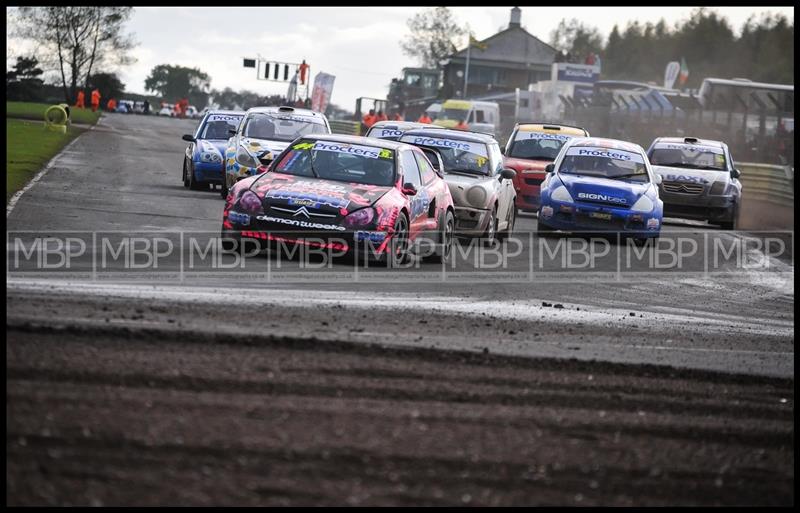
x: 702, y: 207
x: 471, y: 222
x: 208, y: 171
x: 600, y: 219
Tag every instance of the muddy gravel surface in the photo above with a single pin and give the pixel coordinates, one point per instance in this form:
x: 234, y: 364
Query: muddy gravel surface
x: 134, y: 404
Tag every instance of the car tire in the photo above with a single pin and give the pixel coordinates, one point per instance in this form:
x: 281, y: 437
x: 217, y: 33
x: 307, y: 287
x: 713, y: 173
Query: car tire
x: 194, y: 184
x: 185, y: 176
x: 447, y: 236
x: 512, y: 218
x: 733, y: 223
x: 398, y: 253
x: 491, y: 229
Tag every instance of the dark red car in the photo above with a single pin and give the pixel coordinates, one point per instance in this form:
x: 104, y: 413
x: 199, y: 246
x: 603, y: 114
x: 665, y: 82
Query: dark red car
x: 529, y: 149
x: 345, y: 193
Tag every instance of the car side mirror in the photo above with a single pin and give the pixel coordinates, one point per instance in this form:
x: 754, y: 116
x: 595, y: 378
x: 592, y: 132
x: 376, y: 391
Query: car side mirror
x: 659, y: 179
x: 507, y: 174
x: 735, y: 173
x: 549, y: 168
x: 232, y: 131
x: 409, y: 189
x: 188, y: 138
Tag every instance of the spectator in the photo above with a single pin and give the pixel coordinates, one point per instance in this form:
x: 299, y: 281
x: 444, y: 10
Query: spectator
x: 111, y: 105
x: 370, y: 118
x: 81, y: 99
x: 462, y: 125
x: 381, y: 116
x: 425, y: 119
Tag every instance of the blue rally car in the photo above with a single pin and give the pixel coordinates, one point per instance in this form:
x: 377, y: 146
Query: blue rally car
x: 601, y: 185
x: 204, y: 163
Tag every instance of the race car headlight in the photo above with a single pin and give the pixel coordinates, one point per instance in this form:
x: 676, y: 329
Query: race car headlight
x: 476, y: 196
x: 643, y: 204
x: 249, y: 202
x: 244, y: 158
x: 361, y: 217
x: 718, y: 189
x: 212, y: 157
x: 562, y: 194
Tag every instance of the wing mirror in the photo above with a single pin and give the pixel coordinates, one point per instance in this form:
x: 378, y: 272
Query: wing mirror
x: 659, y: 179
x: 188, y: 138
x: 735, y: 173
x: 549, y: 168
x: 507, y: 174
x: 409, y: 189
x: 232, y: 131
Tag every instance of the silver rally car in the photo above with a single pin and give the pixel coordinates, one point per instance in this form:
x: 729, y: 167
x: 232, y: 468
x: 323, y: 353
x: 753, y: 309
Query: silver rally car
x: 699, y: 180
x: 482, y: 189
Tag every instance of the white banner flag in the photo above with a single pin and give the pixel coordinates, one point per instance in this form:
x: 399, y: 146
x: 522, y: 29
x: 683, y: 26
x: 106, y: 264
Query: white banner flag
x: 321, y: 94
x: 671, y: 73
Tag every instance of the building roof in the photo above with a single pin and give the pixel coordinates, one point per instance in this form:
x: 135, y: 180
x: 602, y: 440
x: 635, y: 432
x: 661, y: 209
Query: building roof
x: 514, y: 45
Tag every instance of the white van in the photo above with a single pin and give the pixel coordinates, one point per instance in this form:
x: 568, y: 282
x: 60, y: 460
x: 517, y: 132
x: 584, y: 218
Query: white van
x: 483, y: 117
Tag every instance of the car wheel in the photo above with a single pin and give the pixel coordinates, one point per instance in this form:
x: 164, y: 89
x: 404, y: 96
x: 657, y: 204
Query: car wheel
x: 185, y: 174
x: 491, y: 229
x: 512, y: 218
x: 398, y: 246
x: 444, y: 253
x: 733, y: 223
x: 195, y: 184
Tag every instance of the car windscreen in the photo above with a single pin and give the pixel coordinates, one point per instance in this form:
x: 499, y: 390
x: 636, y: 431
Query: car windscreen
x: 218, y: 126
x: 454, y: 114
x: 344, y: 162
x: 458, y: 156
x: 537, y: 145
x: 280, y: 128
x: 692, y: 156
x: 604, y: 163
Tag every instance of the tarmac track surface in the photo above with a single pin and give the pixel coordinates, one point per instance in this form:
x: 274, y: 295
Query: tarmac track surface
x: 419, y: 387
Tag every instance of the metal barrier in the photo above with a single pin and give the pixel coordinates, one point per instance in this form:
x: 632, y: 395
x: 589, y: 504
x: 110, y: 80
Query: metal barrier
x: 766, y: 182
x: 339, y: 126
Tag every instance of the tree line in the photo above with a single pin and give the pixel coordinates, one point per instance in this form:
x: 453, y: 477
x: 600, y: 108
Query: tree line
x: 762, y: 52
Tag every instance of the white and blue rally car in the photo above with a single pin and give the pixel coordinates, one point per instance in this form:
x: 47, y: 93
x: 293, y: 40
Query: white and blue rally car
x: 203, y: 163
x: 601, y: 185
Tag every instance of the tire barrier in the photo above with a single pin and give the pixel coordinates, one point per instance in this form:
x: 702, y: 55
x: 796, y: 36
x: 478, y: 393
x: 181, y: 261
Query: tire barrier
x: 57, y: 117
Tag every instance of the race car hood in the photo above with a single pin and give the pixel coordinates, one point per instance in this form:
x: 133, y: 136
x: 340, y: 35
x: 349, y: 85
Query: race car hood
x: 523, y: 165
x: 461, y: 185
x: 259, y: 146
x: 682, y: 174
x: 603, y: 190
x: 285, y: 195
x: 212, y: 145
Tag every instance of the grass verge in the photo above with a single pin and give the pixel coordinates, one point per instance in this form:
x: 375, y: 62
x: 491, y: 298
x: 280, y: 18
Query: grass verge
x: 35, y: 111
x: 28, y: 147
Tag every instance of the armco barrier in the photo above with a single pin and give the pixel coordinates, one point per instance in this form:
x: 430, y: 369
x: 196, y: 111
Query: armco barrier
x: 767, y: 196
x: 345, y: 127
x: 766, y: 182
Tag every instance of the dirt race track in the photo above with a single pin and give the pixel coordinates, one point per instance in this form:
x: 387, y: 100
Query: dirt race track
x: 677, y: 390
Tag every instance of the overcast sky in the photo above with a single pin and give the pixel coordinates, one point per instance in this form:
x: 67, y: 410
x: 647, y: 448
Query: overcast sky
x: 359, y: 45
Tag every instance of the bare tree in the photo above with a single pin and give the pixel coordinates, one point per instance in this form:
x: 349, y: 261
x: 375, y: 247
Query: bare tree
x: 432, y: 35
x: 77, y: 39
